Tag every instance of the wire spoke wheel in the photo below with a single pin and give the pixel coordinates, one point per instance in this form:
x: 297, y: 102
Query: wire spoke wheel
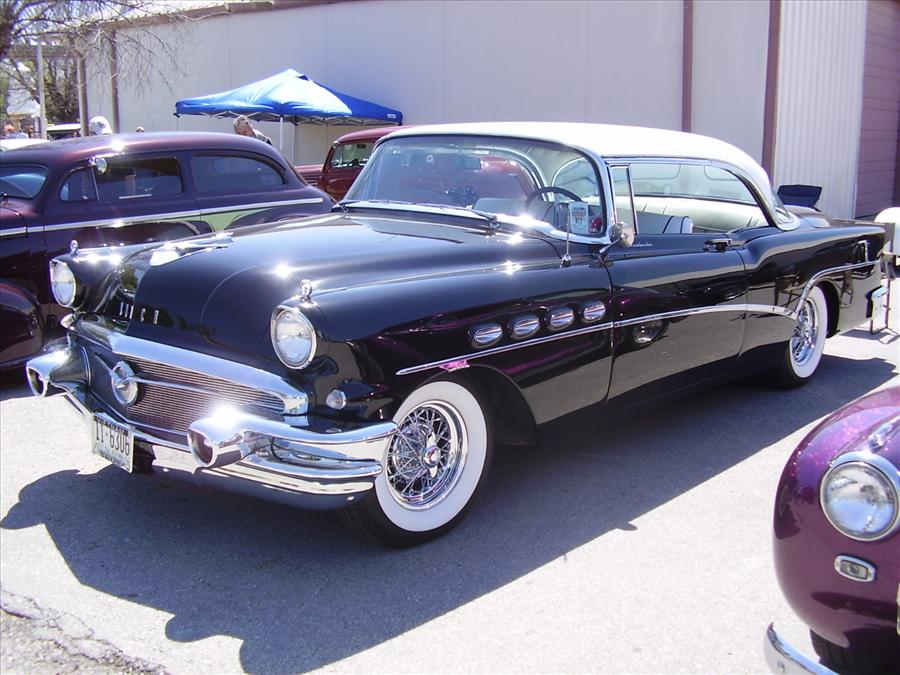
x: 433, y: 467
x: 427, y: 455
x: 804, y: 349
x: 805, y: 337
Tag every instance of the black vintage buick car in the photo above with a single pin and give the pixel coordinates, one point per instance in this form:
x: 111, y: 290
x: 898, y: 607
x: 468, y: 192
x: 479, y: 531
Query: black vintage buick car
x: 478, y: 281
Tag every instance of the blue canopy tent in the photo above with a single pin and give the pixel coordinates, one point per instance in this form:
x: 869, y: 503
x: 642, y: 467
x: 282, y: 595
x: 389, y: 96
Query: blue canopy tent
x: 293, y: 97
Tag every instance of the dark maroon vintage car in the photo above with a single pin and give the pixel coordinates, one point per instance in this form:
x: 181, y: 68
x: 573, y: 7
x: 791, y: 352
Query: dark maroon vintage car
x: 837, y: 550
x: 126, y: 189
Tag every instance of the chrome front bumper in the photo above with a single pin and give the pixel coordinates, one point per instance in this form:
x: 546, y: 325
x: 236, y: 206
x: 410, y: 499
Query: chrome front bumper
x: 782, y: 658
x: 233, y: 449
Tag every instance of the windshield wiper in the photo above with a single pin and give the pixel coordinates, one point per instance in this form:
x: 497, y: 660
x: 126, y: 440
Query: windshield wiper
x: 491, y: 219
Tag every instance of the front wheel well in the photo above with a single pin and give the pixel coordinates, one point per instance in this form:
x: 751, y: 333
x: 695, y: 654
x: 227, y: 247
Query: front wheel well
x: 832, y: 300
x: 513, y: 421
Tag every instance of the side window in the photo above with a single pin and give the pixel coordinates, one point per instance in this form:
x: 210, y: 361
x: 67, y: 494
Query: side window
x: 217, y: 174
x: 622, y: 194
x: 138, y: 178
x: 675, y: 198
x: 78, y: 187
x: 351, y: 154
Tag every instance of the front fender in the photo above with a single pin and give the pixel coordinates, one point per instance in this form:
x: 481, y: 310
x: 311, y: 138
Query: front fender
x: 23, y: 325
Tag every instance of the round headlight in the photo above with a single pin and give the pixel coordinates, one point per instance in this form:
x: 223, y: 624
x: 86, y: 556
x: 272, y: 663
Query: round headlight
x: 293, y: 337
x: 860, y: 499
x: 62, y: 283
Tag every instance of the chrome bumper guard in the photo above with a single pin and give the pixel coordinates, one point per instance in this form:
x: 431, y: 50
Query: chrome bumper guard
x: 782, y: 658
x: 236, y: 450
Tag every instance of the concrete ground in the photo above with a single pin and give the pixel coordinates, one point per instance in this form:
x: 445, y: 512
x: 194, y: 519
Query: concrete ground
x: 642, y: 547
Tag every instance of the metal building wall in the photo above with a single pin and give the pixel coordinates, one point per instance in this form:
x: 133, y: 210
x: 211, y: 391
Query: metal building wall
x: 820, y: 80
x: 877, y: 180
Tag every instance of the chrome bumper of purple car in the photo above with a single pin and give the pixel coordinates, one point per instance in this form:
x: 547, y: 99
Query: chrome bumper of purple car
x: 782, y: 658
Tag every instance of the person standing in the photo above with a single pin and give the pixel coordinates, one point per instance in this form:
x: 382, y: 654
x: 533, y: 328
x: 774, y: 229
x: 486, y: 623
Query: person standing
x: 243, y: 127
x: 99, y: 126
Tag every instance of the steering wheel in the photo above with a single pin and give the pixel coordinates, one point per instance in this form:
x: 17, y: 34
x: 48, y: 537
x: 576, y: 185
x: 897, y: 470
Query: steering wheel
x: 550, y: 189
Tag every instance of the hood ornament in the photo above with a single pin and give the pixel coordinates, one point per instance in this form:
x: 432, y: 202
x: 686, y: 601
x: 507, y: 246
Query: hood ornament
x: 305, y: 291
x: 73, y: 246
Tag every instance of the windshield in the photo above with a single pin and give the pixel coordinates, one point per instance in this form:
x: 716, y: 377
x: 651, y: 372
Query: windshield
x: 22, y: 181
x: 530, y: 180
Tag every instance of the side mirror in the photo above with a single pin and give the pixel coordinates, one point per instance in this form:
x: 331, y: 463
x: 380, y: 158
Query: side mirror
x: 622, y: 233
x: 99, y: 164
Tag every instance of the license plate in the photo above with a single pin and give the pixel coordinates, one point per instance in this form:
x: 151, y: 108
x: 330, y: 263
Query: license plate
x: 113, y: 443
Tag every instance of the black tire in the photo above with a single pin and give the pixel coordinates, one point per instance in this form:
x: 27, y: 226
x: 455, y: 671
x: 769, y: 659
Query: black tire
x: 844, y: 661
x: 455, y: 454
x: 803, y: 351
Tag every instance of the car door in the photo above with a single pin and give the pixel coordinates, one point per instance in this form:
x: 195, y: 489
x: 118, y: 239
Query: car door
x: 122, y: 199
x: 679, y: 293
x: 237, y: 188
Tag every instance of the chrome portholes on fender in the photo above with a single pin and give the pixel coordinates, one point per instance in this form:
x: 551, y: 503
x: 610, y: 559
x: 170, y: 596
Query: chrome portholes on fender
x: 591, y: 312
x: 485, y: 335
x: 524, y: 326
x: 433, y: 466
x: 560, y: 318
x: 804, y: 349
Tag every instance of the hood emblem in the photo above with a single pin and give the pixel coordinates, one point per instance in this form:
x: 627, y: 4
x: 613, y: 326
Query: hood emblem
x: 306, y: 289
x: 171, y: 251
x: 124, y: 388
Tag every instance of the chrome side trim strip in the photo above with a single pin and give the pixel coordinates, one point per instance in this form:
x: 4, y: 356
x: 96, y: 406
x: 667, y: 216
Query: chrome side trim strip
x: 818, y: 276
x: 264, y: 205
x: 13, y: 232
x: 295, y: 400
x: 744, y: 308
x: 505, y: 348
x: 677, y: 314
x: 116, y: 222
x: 196, y: 213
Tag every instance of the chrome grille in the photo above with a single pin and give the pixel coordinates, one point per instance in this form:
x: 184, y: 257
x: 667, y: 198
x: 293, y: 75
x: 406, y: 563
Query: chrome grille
x: 165, y: 407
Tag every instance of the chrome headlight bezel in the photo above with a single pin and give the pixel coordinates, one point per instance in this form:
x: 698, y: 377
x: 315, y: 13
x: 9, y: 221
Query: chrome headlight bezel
x: 62, y: 276
x: 284, y: 313
x: 884, y: 471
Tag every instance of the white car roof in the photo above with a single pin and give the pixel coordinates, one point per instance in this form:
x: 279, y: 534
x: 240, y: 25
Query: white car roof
x: 612, y: 140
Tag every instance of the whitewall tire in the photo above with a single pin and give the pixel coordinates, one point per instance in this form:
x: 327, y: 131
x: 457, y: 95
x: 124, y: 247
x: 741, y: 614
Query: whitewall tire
x: 433, y: 467
x: 804, y: 350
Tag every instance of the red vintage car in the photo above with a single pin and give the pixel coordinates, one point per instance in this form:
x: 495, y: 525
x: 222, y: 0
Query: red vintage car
x: 346, y: 158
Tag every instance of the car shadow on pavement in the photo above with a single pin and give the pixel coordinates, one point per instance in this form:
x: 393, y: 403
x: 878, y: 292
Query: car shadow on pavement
x: 14, y: 385
x: 300, y: 592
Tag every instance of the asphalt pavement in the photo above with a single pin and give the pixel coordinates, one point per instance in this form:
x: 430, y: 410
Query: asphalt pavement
x: 642, y: 546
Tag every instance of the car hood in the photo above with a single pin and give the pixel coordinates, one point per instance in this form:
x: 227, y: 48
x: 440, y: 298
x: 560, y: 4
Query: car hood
x: 850, y: 429
x: 222, y: 291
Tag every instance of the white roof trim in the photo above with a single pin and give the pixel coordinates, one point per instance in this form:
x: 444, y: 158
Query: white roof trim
x: 611, y: 140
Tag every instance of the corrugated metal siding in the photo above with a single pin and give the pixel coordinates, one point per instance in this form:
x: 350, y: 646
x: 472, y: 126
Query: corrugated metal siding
x: 876, y: 180
x: 820, y: 99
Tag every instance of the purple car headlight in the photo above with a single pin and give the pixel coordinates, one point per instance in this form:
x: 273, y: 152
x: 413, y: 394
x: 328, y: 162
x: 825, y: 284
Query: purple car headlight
x: 860, y: 495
